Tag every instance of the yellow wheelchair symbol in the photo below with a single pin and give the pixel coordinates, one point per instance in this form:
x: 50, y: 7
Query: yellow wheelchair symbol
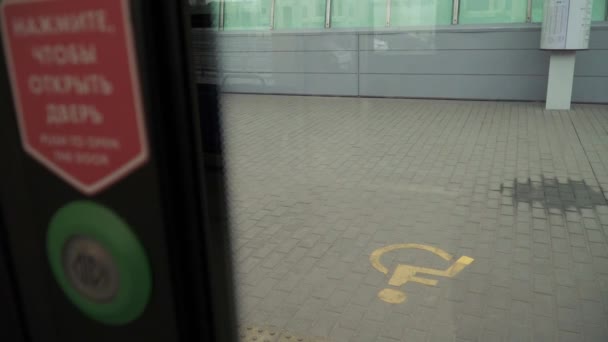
x: 404, y: 273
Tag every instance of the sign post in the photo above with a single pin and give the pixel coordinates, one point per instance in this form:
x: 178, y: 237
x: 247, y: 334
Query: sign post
x: 566, y: 29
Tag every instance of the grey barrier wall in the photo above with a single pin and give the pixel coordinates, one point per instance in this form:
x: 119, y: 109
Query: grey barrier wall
x: 475, y: 62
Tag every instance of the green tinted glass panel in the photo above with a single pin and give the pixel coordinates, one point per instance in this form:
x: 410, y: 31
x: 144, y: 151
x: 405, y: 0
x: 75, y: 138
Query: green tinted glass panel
x: 214, y: 9
x: 358, y: 13
x: 295, y: 14
x: 493, y: 11
x: 247, y: 14
x: 537, y: 11
x: 598, y: 13
x: 599, y: 10
x: 421, y: 12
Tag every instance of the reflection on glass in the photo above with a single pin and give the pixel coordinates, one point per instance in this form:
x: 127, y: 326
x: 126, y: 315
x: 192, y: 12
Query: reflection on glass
x: 208, y: 10
x: 358, y: 13
x: 421, y: 12
x: 370, y: 210
x: 598, y: 13
x: 247, y: 14
x: 493, y: 11
x: 295, y: 14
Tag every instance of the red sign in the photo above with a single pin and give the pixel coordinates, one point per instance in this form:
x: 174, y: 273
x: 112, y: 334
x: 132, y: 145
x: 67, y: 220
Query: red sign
x: 75, y: 86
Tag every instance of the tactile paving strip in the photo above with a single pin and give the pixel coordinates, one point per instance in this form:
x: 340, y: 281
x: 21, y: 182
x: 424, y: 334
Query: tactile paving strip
x: 270, y: 334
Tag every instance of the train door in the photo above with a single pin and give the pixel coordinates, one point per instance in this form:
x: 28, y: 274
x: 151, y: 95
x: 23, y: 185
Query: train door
x: 110, y: 227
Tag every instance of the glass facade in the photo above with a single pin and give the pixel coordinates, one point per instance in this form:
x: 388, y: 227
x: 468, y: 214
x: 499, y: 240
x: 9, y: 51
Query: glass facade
x: 397, y: 174
x: 310, y: 14
x: 297, y: 14
x: 493, y: 11
x: 421, y: 12
x: 247, y: 15
x: 598, y: 13
x: 358, y: 13
x: 599, y: 10
x: 537, y: 11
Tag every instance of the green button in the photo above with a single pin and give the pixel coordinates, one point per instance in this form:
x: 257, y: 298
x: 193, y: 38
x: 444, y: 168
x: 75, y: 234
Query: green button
x: 99, y: 263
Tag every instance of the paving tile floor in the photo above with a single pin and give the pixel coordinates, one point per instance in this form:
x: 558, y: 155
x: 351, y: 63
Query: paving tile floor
x: 316, y: 184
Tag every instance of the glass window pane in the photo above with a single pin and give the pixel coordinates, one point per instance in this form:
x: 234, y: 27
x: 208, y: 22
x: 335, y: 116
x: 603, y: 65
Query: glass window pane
x: 330, y: 165
x: 358, y: 13
x: 294, y: 14
x: 599, y: 10
x: 421, y: 12
x: 537, y: 11
x: 247, y: 14
x: 493, y: 11
x: 598, y: 13
x: 206, y: 10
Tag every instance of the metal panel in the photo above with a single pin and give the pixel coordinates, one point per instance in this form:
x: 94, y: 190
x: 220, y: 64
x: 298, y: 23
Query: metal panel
x: 485, y: 87
x: 455, y: 62
x: 295, y: 62
x: 442, y: 40
x: 590, y: 89
x: 286, y: 83
x: 499, y: 57
x: 592, y: 63
x: 287, y: 42
x: 599, y: 38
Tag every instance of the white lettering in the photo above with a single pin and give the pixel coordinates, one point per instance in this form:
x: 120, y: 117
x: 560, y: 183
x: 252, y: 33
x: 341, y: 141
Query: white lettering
x: 103, y: 143
x: 77, y: 141
x: 65, y: 54
x: 95, y: 159
x: 79, y: 157
x: 63, y: 156
x: 80, y: 22
x: 35, y: 85
x: 61, y: 114
x: 53, y: 140
x: 92, y: 84
x: 62, y: 24
x: 45, y: 24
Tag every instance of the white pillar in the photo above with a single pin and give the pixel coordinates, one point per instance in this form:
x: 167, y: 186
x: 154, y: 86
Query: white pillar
x: 561, y: 78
